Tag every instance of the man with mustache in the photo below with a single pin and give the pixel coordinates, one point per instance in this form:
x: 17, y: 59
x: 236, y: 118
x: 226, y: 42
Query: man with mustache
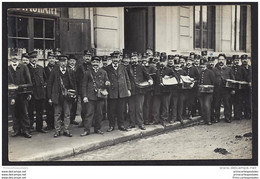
x: 162, y: 94
x: 222, y: 72
x: 49, y: 108
x: 190, y: 95
x: 118, y: 91
x: 20, y: 75
x: 60, y: 81
x: 94, y: 79
x: 86, y: 65
x: 137, y: 74
x: 246, y: 93
x: 25, y: 59
x: 38, y: 78
x: 206, y: 77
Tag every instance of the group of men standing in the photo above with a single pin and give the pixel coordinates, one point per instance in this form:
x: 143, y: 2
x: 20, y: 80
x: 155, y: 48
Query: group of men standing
x: 128, y: 90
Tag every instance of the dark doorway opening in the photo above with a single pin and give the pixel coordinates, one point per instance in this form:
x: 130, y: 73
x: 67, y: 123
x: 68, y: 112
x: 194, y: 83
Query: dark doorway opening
x: 139, y: 29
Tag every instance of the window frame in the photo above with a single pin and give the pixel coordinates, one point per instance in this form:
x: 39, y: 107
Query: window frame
x: 210, y: 29
x: 31, y: 37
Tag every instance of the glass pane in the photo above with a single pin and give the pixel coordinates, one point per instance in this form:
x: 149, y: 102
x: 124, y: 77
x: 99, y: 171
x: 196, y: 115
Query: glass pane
x: 204, y: 17
x: 197, y: 38
x: 49, y: 29
x: 11, y: 26
x: 38, y: 44
x: 197, y: 17
x: 22, y: 27
x: 49, y: 44
x: 11, y: 43
x: 38, y: 28
x: 205, y: 39
x: 23, y: 44
x: 242, y: 32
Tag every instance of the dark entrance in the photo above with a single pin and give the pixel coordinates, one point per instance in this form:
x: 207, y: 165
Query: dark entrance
x: 139, y: 29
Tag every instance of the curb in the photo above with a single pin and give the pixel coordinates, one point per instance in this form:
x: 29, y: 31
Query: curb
x: 128, y: 136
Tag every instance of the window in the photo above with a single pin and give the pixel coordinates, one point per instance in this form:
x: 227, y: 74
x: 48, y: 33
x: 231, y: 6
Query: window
x: 239, y: 23
x: 29, y: 33
x: 204, y: 27
x: 18, y: 32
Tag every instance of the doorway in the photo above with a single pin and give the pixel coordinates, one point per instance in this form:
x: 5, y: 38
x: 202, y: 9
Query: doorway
x: 139, y: 29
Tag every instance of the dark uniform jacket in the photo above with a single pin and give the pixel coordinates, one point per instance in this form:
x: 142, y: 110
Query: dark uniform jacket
x: 151, y: 69
x: 238, y: 72
x: 247, y: 73
x: 192, y: 72
x: 206, y: 77
x: 91, y: 77
x: 47, y: 71
x: 38, y: 78
x: 161, y: 72
x: 20, y: 76
x: 222, y: 74
x: 54, y: 84
x: 120, y: 83
x: 137, y: 74
x: 80, y: 70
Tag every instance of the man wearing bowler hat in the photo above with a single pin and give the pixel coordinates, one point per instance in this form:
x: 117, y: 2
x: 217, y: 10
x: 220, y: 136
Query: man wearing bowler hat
x: 222, y: 72
x: 39, y: 79
x: 118, y: 91
x: 94, y: 79
x: 60, y: 82
x: 18, y: 74
x: 72, y: 66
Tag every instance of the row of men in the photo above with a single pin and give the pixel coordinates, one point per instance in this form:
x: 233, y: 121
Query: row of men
x: 150, y: 105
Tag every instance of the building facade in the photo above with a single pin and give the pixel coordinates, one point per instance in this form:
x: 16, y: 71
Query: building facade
x: 171, y: 29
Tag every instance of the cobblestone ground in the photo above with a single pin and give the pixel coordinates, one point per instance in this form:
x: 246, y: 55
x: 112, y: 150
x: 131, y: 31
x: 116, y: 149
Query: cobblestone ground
x: 197, y: 142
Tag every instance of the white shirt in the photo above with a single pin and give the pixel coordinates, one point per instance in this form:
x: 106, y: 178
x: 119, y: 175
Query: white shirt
x: 34, y: 66
x: 61, y: 69
x: 115, y: 67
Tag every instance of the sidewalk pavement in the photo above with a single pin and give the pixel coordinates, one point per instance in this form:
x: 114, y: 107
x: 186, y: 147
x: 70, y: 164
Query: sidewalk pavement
x: 44, y: 147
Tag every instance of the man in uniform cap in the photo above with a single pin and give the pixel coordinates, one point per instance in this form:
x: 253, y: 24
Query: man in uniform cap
x: 18, y: 74
x: 104, y: 61
x: 206, y: 77
x: 229, y: 62
x: 196, y: 106
x: 49, y: 108
x: 192, y: 55
x: 182, y: 61
x: 39, y: 79
x: 94, y: 79
x: 196, y: 61
x: 126, y: 60
x: 190, y: 93
x: 137, y: 74
x: 156, y: 58
x: 118, y: 92
x: 61, y: 80
x: 86, y: 65
x: 211, y: 63
x: 247, y: 93
x: 148, y: 98
x: 237, y: 97
x: 25, y: 59
x: 222, y: 72
x: 162, y: 94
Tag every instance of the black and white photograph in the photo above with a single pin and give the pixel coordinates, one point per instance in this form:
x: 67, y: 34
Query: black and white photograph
x: 130, y: 82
